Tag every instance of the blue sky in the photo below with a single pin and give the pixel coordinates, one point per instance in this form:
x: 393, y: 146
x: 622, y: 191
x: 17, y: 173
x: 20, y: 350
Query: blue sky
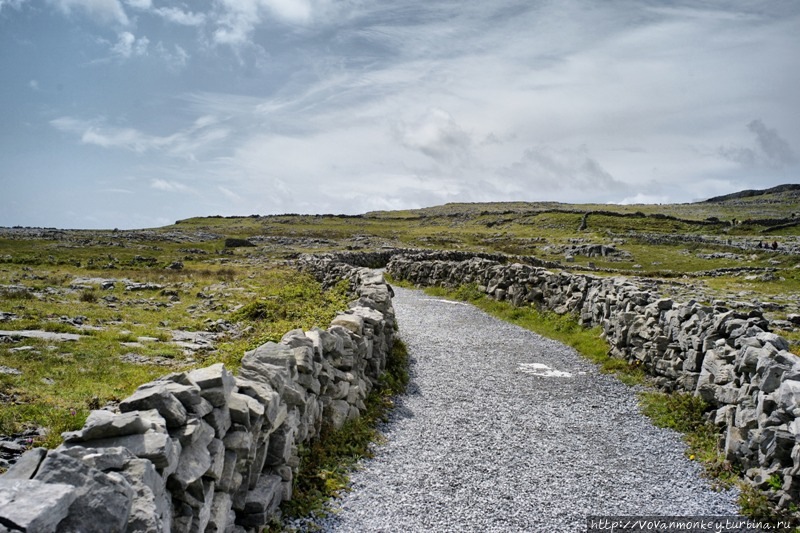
x: 136, y: 113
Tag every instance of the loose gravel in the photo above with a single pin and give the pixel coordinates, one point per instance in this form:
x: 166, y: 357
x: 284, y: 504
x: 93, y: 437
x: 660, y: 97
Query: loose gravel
x: 504, y: 430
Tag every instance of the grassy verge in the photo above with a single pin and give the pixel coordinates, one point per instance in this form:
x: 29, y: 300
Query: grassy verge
x: 327, y: 461
x: 684, y: 412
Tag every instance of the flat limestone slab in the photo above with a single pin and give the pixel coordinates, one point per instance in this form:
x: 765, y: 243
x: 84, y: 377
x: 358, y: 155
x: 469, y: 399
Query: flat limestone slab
x: 35, y: 506
x: 39, y: 334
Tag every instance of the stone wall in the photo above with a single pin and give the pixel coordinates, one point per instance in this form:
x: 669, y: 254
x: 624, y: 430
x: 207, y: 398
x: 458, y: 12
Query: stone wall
x: 728, y: 358
x: 205, y: 450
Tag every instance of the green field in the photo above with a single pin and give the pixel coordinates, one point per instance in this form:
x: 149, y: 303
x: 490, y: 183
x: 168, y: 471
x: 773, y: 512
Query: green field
x: 202, y: 280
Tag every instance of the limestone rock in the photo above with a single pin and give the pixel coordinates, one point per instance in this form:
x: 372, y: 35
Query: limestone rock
x: 156, y: 447
x: 354, y: 323
x: 27, y: 465
x: 103, y: 501
x: 30, y: 505
x: 215, y: 382
x: 104, y: 424
x: 156, y: 396
x: 194, y: 460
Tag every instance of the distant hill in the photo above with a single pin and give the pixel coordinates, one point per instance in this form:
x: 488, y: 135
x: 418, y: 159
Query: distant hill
x: 750, y: 193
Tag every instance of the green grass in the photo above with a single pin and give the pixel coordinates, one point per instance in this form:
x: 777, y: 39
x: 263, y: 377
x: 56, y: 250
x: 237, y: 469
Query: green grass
x: 684, y: 412
x: 61, y: 381
x: 325, y: 463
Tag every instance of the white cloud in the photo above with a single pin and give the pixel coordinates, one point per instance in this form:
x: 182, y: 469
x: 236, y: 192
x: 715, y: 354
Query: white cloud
x: 16, y: 4
x: 140, y: 4
x: 197, y: 139
x: 103, y: 11
x: 229, y: 194
x: 296, y: 11
x: 236, y: 20
x: 169, y: 186
x: 642, y: 198
x: 128, y: 45
x: 178, y: 16
x: 176, y: 59
x: 33, y: 84
x: 437, y: 135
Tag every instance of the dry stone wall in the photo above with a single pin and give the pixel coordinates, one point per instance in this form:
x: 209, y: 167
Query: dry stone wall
x: 730, y: 359
x: 205, y: 450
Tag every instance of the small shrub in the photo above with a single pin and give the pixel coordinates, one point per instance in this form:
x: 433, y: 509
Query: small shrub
x: 13, y: 293
x: 754, y: 503
x: 260, y: 311
x: 88, y: 296
x: 60, y: 327
x: 232, y: 242
x: 468, y: 292
x: 684, y: 412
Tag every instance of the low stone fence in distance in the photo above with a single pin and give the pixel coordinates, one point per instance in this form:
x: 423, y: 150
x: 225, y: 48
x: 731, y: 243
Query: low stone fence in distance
x: 205, y: 450
x: 730, y: 359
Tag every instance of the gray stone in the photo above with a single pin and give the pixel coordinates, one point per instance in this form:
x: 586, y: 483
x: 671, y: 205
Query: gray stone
x: 156, y: 396
x: 371, y: 317
x: 104, y: 424
x: 264, y: 395
x: 194, y: 460
x: 216, y: 449
x: 296, y: 338
x: 280, y: 445
x: 220, y: 509
x: 188, y: 395
x: 304, y: 359
x: 27, y: 464
x: 156, y: 447
x: 188, y: 433
x: 30, y: 505
x: 776, y: 340
x: 227, y: 482
x: 749, y: 356
x: 103, y: 459
x: 149, y: 511
x: 336, y: 413
x: 353, y: 323
x: 788, y: 394
x: 220, y: 420
x: 203, y: 515
x: 201, y: 409
x: 294, y: 395
x: 269, y: 353
x: 239, y: 442
x: 309, y: 382
x: 214, y: 378
x: 264, y: 496
x: 103, y: 501
x: 240, y: 410
x: 182, y: 517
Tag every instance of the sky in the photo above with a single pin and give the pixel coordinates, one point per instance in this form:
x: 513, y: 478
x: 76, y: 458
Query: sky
x: 137, y: 113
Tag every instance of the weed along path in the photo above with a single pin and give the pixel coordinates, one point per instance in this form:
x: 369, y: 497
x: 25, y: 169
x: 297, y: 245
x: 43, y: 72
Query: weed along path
x: 504, y: 430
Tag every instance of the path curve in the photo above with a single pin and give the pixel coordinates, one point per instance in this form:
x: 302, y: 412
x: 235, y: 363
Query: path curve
x: 487, y: 440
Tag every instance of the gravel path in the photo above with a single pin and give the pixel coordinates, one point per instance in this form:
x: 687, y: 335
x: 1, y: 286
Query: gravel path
x: 504, y: 430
